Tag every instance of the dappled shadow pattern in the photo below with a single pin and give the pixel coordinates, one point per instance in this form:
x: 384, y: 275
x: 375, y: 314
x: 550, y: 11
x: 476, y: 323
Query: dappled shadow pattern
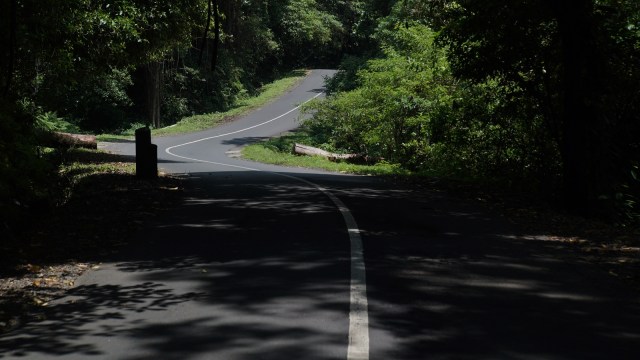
x: 244, y: 275
x: 255, y: 265
x: 243, y: 141
x: 85, y: 314
x: 454, y: 281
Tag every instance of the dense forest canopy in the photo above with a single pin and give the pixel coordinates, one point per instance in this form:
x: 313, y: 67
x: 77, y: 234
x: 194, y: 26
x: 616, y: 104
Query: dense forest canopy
x: 541, y: 94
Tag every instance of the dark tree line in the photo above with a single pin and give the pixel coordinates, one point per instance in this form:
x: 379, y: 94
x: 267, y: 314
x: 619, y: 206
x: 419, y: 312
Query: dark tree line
x: 540, y: 92
x: 579, y: 61
x: 543, y: 92
x: 108, y: 66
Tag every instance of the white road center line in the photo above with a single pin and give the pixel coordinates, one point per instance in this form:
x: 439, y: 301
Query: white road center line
x: 168, y: 150
x: 358, y: 347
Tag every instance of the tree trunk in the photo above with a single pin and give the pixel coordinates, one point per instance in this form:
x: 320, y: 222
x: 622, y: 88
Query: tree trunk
x: 11, y: 45
x: 231, y: 11
x: 580, y: 114
x: 301, y: 149
x: 152, y: 85
x: 206, y: 33
x: 216, y: 32
x: 212, y: 8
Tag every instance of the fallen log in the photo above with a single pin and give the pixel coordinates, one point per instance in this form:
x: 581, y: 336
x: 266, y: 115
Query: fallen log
x: 310, y: 150
x: 66, y: 140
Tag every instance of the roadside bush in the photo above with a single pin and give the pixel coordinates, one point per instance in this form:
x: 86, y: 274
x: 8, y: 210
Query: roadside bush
x: 50, y: 121
x: 24, y: 174
x: 407, y: 108
x: 347, y: 76
x: 97, y: 103
x: 390, y: 112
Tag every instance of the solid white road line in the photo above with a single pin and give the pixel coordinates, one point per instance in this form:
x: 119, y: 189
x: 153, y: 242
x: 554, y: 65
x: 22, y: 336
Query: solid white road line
x: 358, y: 348
x: 168, y: 150
x: 358, y: 305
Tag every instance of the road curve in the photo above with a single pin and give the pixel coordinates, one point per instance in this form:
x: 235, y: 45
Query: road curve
x: 258, y: 265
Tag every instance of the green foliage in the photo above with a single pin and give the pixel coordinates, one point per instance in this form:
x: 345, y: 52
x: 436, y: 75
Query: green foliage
x: 496, y: 133
x: 399, y: 99
x: 627, y: 198
x: 347, y: 76
x: 50, y: 121
x: 98, y: 103
x: 78, y: 66
x: 408, y: 108
x: 303, y: 23
x: 388, y: 114
x: 577, y: 66
x: 24, y: 175
x: 83, y: 59
x: 205, y: 121
x: 315, y: 32
x: 278, y: 152
x: 130, y: 131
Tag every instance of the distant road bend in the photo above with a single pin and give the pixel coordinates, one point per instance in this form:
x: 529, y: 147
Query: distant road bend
x: 268, y: 262
x: 358, y: 344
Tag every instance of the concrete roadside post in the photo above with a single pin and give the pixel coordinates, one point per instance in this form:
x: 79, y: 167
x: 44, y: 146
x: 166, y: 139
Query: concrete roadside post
x: 146, y: 155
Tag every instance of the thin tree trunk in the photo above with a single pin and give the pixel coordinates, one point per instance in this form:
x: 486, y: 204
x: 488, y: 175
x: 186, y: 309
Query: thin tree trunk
x: 579, y: 113
x: 216, y: 31
x: 13, y: 14
x: 212, y: 9
x: 206, y: 33
x: 152, y: 79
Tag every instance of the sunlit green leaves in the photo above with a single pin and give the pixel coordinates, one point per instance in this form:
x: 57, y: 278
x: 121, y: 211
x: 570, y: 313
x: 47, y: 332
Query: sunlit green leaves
x: 389, y: 114
x: 305, y: 23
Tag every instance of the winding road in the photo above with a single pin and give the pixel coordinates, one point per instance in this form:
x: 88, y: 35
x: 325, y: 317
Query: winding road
x: 268, y: 262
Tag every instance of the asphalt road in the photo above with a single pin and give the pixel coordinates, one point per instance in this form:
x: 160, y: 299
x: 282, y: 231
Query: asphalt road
x: 263, y: 262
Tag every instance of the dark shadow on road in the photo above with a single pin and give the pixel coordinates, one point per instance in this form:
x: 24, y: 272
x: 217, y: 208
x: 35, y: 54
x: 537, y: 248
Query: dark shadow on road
x: 90, y: 312
x: 243, y: 141
x: 252, y: 274
x: 256, y: 266
x: 165, y: 161
x: 456, y: 282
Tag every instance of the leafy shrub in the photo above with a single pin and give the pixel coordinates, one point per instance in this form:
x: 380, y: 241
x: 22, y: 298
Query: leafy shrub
x: 347, y: 76
x: 407, y: 108
x: 174, y: 108
x: 388, y: 114
x: 50, y: 121
x: 24, y: 174
x: 131, y: 129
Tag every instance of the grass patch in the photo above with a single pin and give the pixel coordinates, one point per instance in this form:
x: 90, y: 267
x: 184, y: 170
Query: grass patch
x: 278, y: 151
x: 79, y: 164
x: 266, y: 94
